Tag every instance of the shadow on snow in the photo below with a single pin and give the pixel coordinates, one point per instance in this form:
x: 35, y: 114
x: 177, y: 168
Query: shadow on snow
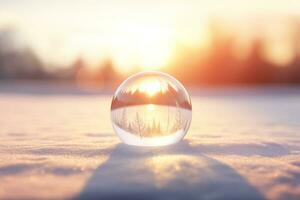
x: 179, y: 171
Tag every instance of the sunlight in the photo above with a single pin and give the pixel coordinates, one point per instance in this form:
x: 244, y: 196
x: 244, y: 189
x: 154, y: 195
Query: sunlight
x: 147, y: 46
x: 150, y: 87
x: 153, y: 47
x: 150, y: 107
x: 169, y: 167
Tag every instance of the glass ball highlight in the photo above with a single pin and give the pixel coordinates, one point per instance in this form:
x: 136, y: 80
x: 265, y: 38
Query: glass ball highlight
x: 151, y: 109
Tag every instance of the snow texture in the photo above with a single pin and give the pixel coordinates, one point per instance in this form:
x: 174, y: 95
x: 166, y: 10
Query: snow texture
x: 242, y: 144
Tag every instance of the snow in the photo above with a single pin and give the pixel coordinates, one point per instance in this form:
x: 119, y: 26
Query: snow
x: 242, y: 144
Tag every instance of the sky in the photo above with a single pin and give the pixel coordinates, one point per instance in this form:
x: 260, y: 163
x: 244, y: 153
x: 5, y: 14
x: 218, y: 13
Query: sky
x: 131, y: 32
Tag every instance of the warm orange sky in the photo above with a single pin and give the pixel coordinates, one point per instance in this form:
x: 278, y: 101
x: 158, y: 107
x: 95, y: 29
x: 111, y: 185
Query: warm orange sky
x: 132, y: 32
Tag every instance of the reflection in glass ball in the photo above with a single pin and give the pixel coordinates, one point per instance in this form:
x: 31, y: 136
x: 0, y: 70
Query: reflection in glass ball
x: 151, y: 109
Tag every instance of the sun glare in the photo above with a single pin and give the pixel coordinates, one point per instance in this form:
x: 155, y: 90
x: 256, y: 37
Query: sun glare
x: 153, y: 48
x: 150, y: 87
x: 146, y: 46
x: 150, y: 107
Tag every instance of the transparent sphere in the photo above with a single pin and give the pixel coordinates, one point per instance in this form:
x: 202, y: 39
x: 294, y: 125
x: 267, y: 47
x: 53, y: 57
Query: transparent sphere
x: 151, y: 109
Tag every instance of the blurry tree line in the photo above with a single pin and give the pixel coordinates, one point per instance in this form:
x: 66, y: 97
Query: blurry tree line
x: 17, y: 61
x: 218, y: 65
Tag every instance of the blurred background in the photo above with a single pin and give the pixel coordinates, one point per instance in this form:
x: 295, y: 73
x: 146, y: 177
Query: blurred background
x: 96, y: 44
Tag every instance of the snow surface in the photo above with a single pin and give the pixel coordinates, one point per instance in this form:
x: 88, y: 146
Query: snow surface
x: 242, y: 144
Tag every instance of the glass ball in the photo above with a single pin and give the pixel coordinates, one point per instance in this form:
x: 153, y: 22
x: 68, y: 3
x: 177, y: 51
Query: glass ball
x: 151, y: 109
